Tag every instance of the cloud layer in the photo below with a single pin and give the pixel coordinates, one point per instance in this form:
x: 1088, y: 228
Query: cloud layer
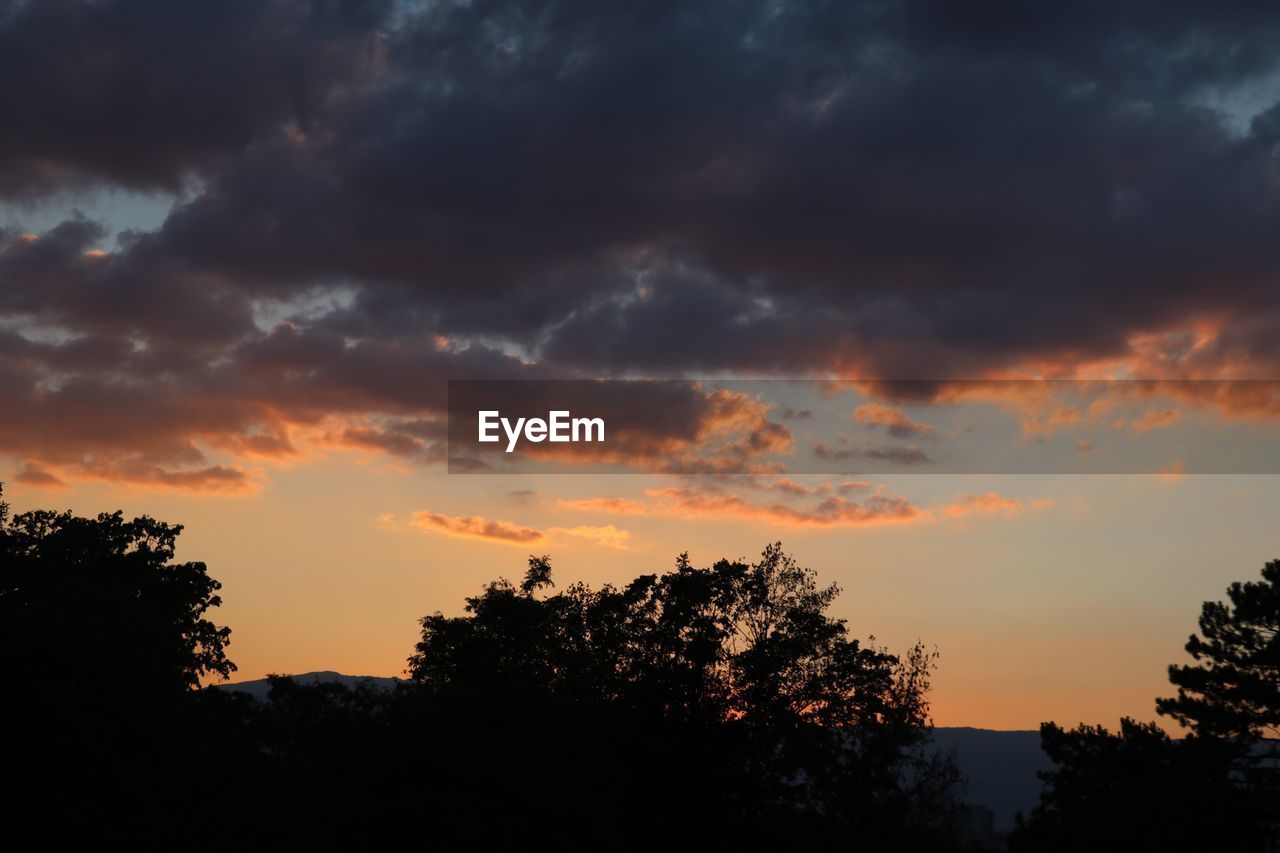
x: 374, y: 197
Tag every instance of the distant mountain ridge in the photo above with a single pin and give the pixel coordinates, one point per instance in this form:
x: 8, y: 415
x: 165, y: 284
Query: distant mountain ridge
x: 1001, y: 766
x: 259, y: 688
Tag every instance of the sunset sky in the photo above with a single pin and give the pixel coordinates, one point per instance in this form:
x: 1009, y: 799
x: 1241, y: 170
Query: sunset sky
x: 245, y: 245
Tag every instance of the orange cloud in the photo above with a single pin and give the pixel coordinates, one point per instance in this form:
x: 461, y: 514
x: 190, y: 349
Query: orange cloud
x: 373, y: 438
x: 37, y: 477
x: 220, y: 480
x: 787, y: 486
x: 214, y: 480
x: 879, y: 508
x: 894, y: 420
x: 1046, y: 398
x: 477, y: 527
x: 270, y: 441
x: 607, y: 536
x: 506, y: 532
x: 691, y: 503
x: 991, y: 502
x: 834, y: 511
x: 616, y: 506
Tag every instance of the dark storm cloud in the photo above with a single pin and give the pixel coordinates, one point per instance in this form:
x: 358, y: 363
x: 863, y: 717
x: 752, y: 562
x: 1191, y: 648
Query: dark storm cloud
x: 891, y: 187
x: 505, y: 189
x: 142, y: 92
x: 151, y: 415
x: 63, y: 278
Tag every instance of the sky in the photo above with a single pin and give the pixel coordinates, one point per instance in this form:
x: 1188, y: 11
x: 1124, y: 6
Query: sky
x: 972, y: 306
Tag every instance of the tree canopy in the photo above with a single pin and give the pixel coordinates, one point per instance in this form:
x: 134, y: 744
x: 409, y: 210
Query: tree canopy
x: 94, y: 604
x: 1233, y: 688
x: 1217, y: 788
x: 740, y: 670
x: 104, y: 641
x: 751, y: 642
x: 1139, y: 789
x: 720, y: 705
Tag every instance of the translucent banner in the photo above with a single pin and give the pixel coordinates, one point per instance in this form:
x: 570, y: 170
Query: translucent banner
x: 853, y: 427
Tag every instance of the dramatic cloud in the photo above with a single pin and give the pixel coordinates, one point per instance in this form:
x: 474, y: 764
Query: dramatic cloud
x: 144, y: 93
x: 375, y: 197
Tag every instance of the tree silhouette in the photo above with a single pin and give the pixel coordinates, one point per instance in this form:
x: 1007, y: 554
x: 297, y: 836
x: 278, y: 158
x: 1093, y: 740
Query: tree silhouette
x: 1233, y: 689
x: 1232, y: 693
x: 98, y: 604
x: 1138, y: 789
x: 103, y: 641
x: 729, y: 683
x: 1216, y: 789
x: 717, y: 706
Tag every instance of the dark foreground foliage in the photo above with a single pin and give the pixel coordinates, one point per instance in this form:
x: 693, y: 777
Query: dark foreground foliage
x: 714, y: 707
x: 1139, y: 789
x: 1216, y: 789
x: 717, y: 706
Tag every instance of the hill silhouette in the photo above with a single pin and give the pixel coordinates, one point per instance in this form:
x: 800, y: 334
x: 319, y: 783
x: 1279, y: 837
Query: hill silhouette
x: 1000, y: 768
x: 260, y: 688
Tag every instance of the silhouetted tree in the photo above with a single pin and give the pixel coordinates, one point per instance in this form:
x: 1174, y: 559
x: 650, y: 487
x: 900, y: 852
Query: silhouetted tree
x: 103, y: 642
x: 1231, y: 694
x: 719, y: 706
x: 99, y: 604
x: 1215, y: 789
x: 1233, y: 689
x: 1137, y: 789
x: 729, y: 687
